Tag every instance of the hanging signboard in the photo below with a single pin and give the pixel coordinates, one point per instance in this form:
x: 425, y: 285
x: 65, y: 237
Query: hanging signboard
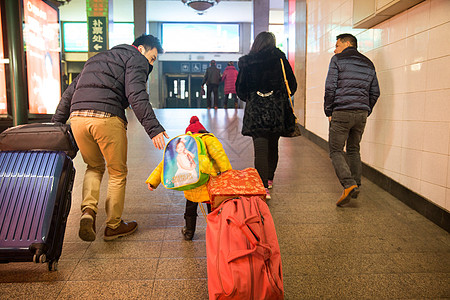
x: 97, y: 15
x: 97, y: 34
x: 41, y: 35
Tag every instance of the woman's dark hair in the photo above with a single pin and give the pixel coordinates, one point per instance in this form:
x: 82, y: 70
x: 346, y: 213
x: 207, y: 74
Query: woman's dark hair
x: 264, y: 40
x: 149, y: 42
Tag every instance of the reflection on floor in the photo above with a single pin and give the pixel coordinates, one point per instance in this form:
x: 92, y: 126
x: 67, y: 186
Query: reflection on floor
x: 375, y: 247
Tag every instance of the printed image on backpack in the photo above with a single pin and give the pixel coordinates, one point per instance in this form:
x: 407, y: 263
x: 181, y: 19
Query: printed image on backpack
x: 181, y: 166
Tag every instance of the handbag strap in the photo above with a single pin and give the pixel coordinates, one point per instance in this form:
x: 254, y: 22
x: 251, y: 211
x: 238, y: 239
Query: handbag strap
x: 287, y: 87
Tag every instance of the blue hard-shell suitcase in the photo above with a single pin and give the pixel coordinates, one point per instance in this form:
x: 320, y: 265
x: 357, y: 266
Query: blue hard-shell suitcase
x: 35, y: 200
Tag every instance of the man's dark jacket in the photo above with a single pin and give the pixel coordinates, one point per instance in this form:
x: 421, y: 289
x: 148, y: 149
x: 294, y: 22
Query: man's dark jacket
x: 212, y: 76
x: 110, y: 82
x: 351, y: 83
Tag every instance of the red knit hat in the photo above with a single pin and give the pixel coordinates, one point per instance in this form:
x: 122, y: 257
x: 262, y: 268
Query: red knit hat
x: 194, y: 125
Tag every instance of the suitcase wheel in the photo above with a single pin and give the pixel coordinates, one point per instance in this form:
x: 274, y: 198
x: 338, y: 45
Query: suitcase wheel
x: 39, y: 257
x: 53, y: 265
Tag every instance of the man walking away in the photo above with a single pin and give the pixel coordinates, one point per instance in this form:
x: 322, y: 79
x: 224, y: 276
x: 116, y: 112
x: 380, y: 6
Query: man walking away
x: 212, y: 79
x: 351, y: 91
x: 95, y: 102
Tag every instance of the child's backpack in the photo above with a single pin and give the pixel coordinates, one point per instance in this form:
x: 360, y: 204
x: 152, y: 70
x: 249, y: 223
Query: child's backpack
x: 182, y: 163
x: 242, y: 251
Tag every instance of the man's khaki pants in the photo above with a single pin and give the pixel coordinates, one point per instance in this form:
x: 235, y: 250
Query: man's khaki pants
x: 100, y: 140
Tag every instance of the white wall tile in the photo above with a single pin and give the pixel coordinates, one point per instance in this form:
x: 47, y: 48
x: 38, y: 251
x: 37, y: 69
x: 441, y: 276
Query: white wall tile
x: 346, y: 11
x: 439, y: 12
x: 433, y: 192
x: 397, y: 54
x: 436, y: 137
x: 434, y: 168
x: 365, y: 41
x: 366, y: 152
x: 414, y: 105
x: 389, y: 107
x: 381, y: 34
x: 393, y: 159
x: 394, y: 133
x: 397, y: 27
x: 336, y: 17
x: 439, y: 41
x: 398, y: 103
x: 413, y: 135
x: 399, y: 80
x: 411, y: 163
x: 418, y: 18
x: 416, y: 77
x: 410, y: 182
x: 448, y: 176
x: 438, y: 73
x: 391, y: 174
x: 369, y: 131
x: 379, y: 155
x: 381, y: 60
x: 416, y: 48
x: 378, y: 130
x: 437, y: 105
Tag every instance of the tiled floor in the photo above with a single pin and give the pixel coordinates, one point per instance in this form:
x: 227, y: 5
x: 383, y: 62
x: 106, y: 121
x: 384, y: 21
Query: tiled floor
x: 376, y: 247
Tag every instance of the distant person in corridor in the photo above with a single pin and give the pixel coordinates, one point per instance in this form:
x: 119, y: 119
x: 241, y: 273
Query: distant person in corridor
x: 351, y: 91
x: 212, y: 79
x: 95, y: 101
x: 229, y: 78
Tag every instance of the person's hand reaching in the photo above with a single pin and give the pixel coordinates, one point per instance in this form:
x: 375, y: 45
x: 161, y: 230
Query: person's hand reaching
x: 158, y: 141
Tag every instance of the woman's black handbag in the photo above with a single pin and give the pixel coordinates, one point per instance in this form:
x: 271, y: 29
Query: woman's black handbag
x: 296, y: 131
x: 268, y: 113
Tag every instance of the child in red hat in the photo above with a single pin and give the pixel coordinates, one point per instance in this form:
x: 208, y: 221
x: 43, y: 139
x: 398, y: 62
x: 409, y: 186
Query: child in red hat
x: 220, y: 164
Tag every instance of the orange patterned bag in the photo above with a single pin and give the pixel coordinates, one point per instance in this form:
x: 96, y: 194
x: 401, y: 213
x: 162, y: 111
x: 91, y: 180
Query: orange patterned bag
x: 235, y: 183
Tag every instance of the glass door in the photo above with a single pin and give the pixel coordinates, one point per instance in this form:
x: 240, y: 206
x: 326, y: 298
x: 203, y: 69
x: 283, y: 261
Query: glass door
x: 177, y: 91
x: 198, y: 99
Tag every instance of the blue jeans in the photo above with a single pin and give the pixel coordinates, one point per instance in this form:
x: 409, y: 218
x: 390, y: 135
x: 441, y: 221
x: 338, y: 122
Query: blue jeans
x: 347, y: 127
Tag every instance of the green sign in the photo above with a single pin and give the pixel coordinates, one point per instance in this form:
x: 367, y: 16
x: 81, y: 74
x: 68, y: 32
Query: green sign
x: 97, y: 34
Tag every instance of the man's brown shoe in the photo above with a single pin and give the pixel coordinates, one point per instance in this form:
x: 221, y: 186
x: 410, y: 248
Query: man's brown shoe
x: 347, y: 195
x: 125, y: 228
x: 87, y: 225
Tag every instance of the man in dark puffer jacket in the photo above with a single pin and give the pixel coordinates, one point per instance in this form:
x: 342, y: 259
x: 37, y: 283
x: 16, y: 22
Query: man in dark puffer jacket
x: 212, y: 79
x: 96, y: 101
x: 351, y: 91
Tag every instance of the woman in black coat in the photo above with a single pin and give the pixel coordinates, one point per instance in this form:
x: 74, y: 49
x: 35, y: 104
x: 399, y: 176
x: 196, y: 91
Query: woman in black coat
x: 260, y: 84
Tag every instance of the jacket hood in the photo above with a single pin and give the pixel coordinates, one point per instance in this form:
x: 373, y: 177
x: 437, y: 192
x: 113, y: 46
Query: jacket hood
x: 230, y: 68
x: 259, y: 57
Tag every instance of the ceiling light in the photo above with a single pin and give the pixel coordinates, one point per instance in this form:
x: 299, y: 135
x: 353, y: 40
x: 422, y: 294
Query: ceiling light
x: 200, y: 5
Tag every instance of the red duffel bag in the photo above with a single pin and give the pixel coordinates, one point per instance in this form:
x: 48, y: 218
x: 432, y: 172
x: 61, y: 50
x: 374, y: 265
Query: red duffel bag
x: 242, y: 251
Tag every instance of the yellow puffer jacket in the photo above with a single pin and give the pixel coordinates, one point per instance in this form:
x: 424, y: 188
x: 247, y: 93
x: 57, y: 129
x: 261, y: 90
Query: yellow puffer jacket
x: 216, y: 155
